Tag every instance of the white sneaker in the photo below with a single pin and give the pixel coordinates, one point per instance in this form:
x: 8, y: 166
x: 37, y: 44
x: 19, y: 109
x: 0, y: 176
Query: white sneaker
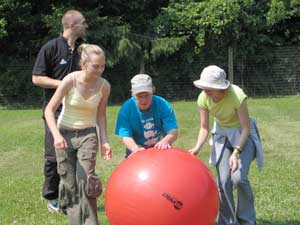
x: 53, y: 205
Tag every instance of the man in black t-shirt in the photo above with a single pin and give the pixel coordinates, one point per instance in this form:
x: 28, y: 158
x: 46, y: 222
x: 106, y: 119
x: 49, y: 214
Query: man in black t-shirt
x: 56, y: 59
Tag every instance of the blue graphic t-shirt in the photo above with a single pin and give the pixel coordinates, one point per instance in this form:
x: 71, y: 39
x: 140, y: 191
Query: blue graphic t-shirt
x: 146, y: 128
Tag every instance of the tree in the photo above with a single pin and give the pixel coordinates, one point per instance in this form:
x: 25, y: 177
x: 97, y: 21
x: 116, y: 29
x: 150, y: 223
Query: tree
x: 134, y: 24
x: 284, y: 21
x: 242, y: 26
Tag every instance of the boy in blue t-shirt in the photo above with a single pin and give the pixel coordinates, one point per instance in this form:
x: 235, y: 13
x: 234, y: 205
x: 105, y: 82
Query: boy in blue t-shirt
x: 146, y: 120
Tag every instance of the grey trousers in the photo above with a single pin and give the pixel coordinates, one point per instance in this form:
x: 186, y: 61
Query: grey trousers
x: 79, y: 185
x: 244, y: 213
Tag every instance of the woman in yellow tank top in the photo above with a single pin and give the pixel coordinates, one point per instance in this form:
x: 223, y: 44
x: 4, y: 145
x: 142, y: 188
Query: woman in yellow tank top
x: 84, y: 96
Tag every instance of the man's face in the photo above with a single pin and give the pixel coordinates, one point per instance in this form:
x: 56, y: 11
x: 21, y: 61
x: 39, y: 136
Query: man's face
x: 144, y: 100
x: 80, y: 26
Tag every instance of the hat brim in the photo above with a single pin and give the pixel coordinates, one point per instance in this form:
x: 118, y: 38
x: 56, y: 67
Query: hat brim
x: 203, y: 85
x: 137, y: 90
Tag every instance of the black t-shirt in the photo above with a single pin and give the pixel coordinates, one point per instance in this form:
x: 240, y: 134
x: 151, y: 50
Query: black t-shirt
x: 55, y: 60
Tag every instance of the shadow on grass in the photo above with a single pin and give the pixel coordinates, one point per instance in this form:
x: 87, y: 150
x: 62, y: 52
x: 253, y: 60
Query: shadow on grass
x: 267, y: 222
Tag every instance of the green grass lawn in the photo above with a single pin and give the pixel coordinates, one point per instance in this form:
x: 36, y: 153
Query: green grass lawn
x: 277, y: 188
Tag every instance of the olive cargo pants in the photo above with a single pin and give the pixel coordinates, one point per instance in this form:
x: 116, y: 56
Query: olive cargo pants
x: 79, y: 185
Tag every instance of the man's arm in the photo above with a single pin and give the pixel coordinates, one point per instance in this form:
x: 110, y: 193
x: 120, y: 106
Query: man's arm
x: 169, y: 124
x: 167, y: 141
x: 131, y: 144
x: 45, y: 82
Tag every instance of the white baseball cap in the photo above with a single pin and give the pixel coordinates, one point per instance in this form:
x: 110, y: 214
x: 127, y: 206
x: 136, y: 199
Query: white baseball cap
x: 141, y: 83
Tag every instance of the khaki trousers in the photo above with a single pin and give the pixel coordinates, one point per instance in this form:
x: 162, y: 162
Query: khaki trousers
x: 79, y: 185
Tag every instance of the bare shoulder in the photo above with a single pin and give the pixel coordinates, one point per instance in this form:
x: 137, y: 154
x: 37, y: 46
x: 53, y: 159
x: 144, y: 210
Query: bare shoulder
x: 106, y: 85
x: 69, y: 79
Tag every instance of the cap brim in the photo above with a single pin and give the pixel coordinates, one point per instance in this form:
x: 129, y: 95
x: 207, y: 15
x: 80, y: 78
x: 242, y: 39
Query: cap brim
x: 203, y: 85
x: 141, y: 89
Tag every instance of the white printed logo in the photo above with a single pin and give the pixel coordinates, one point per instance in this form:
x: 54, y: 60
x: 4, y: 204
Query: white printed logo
x: 63, y: 62
x: 148, y: 126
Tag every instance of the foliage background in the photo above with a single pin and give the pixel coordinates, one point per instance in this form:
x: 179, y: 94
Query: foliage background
x: 172, y: 40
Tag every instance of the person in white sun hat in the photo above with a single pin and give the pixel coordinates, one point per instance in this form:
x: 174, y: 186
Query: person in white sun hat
x: 146, y: 120
x: 235, y: 143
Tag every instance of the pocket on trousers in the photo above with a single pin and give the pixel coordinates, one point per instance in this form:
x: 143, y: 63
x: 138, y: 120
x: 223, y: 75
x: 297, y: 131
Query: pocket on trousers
x: 94, y: 186
x: 88, y: 155
x: 61, y: 165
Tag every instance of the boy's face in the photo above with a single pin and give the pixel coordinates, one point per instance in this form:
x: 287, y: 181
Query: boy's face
x: 144, y: 100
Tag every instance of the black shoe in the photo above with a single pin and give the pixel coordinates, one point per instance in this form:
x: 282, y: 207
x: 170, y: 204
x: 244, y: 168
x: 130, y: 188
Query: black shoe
x: 63, y: 209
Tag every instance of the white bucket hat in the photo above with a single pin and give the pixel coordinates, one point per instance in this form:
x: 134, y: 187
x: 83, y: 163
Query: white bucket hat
x: 212, y: 77
x: 141, y: 83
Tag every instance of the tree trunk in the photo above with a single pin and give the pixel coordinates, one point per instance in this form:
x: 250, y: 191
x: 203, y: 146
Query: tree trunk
x: 142, y: 65
x: 230, y: 64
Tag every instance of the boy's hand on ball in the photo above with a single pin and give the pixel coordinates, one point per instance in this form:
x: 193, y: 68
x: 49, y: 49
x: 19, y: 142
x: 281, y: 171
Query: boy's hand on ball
x: 162, y: 145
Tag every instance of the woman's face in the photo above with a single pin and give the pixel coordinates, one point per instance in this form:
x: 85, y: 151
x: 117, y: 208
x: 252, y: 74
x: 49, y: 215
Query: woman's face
x: 95, y: 65
x: 215, y: 94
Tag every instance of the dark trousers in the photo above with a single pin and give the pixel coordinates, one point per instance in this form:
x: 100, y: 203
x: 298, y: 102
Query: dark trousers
x: 51, y: 183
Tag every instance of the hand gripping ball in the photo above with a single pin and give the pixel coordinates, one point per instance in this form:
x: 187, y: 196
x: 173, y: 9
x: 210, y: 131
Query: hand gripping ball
x: 161, y: 187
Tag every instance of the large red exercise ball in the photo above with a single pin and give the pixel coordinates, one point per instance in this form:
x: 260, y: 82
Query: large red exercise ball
x: 161, y: 187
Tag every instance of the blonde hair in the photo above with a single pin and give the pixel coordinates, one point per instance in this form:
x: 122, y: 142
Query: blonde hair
x: 85, y: 50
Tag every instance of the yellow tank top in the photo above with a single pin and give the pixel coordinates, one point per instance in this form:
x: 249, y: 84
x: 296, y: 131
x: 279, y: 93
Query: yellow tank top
x: 78, y: 112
